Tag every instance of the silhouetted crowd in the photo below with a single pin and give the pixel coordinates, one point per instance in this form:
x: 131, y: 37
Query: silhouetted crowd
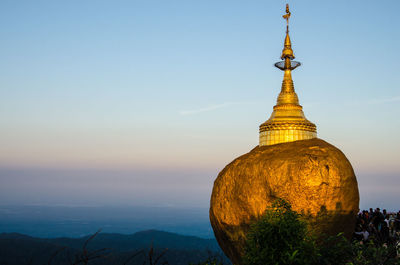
x: 383, y: 227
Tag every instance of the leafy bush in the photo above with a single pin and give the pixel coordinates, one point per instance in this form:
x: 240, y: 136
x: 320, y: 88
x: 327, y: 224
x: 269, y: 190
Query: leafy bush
x: 280, y: 237
x: 334, y: 250
x: 373, y: 254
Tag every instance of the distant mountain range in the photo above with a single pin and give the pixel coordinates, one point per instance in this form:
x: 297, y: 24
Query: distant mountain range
x: 115, y: 249
x: 76, y: 221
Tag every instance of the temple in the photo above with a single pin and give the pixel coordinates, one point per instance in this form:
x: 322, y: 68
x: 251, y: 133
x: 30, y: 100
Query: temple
x: 287, y: 122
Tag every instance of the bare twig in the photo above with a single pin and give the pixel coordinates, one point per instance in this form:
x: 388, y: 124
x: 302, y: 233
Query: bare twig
x: 90, y: 239
x: 55, y: 254
x: 156, y: 259
x: 160, y: 256
x: 132, y: 256
x: 86, y: 255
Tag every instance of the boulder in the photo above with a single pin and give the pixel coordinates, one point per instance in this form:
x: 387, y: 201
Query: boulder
x: 315, y: 177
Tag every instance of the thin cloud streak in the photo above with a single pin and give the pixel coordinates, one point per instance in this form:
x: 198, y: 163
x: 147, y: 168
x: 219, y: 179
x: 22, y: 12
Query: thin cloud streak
x: 374, y: 101
x: 384, y: 100
x: 211, y: 108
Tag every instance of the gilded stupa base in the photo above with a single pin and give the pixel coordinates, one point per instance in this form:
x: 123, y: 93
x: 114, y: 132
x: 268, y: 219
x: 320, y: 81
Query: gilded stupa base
x: 284, y: 136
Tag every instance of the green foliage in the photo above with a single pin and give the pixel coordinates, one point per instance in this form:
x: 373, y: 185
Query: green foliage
x: 338, y: 250
x: 279, y: 237
x: 373, y: 254
x: 334, y: 250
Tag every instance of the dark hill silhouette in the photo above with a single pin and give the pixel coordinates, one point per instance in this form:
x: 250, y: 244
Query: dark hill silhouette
x: 22, y: 249
x: 143, y: 239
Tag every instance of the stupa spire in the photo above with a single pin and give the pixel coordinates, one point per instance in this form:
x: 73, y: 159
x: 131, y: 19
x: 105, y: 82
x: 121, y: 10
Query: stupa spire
x: 287, y: 94
x: 287, y: 122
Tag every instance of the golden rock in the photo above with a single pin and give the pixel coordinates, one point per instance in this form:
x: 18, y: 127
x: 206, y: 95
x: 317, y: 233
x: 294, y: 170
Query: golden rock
x: 312, y: 175
x: 290, y: 163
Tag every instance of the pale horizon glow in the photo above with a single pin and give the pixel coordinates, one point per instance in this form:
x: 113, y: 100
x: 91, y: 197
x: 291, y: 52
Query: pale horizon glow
x: 169, y: 92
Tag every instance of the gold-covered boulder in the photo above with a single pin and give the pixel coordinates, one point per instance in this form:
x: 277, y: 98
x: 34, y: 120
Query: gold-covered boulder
x: 312, y: 175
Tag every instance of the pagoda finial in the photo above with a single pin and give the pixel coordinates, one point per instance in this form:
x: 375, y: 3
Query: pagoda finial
x: 287, y: 51
x: 287, y: 16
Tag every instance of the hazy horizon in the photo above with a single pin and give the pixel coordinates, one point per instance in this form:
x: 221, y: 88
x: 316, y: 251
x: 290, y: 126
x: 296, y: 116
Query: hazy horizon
x: 142, y: 103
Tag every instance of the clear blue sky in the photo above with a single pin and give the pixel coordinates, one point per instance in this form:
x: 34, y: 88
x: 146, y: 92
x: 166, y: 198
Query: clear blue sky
x: 144, y: 102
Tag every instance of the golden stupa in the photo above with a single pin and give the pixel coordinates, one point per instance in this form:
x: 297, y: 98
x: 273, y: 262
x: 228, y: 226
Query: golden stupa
x: 287, y: 122
x: 312, y: 175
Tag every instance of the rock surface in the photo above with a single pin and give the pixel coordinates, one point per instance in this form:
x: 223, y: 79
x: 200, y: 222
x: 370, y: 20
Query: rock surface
x: 312, y: 175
